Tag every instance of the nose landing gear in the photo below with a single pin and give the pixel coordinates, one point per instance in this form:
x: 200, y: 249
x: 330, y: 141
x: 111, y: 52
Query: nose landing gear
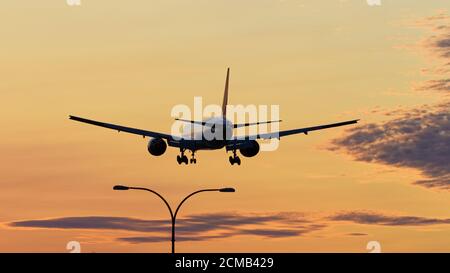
x: 193, y: 160
x: 234, y: 159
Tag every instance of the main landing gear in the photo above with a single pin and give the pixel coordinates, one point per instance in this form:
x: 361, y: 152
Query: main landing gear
x: 235, y: 159
x: 182, y: 158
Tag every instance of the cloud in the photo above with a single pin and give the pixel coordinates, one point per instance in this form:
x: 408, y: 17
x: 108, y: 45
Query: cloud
x: 203, y: 227
x: 439, y: 42
x: 196, y: 227
x: 377, y: 218
x: 259, y: 232
x: 437, y: 45
x: 418, y: 138
x: 96, y: 222
x: 357, y: 234
x: 157, y: 239
x: 440, y: 182
x: 442, y: 85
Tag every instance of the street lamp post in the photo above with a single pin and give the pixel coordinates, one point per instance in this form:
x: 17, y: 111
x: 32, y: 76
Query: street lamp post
x: 173, y: 215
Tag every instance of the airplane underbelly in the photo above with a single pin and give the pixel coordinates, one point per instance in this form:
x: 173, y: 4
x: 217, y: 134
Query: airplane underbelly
x: 214, y: 144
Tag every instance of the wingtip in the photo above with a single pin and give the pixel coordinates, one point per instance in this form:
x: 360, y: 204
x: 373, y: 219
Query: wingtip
x: 75, y: 118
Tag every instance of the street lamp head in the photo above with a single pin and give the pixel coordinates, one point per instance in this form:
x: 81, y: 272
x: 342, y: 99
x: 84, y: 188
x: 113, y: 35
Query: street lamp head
x: 120, y: 188
x: 227, y: 190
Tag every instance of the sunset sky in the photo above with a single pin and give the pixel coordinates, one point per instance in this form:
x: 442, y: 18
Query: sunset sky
x: 386, y: 179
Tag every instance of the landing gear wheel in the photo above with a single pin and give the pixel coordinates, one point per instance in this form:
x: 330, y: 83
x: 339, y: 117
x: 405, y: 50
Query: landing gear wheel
x: 235, y: 159
x: 179, y: 160
x: 184, y: 159
x: 238, y: 160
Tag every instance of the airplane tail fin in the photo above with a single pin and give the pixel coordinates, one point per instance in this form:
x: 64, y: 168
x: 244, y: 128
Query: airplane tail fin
x: 225, y: 94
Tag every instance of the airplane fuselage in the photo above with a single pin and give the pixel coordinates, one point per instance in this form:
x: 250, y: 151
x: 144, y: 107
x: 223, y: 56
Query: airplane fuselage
x: 212, y: 136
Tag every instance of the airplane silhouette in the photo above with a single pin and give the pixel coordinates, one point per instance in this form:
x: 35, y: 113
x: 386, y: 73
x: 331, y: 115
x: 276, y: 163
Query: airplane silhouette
x: 220, y: 127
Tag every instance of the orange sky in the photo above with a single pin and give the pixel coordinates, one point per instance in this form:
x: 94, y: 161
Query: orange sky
x: 321, y: 61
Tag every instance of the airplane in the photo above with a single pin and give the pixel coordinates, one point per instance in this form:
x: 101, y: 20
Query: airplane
x: 247, y: 145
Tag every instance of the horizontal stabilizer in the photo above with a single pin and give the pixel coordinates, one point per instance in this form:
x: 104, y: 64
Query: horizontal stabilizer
x: 255, y: 123
x: 192, y: 121
x: 203, y: 123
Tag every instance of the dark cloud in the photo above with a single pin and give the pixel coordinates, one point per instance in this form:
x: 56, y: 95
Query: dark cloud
x: 96, y: 222
x: 203, y: 227
x: 437, y: 44
x: 357, y: 234
x: 282, y: 232
x: 442, y: 85
x: 419, y: 138
x: 157, y: 239
x: 442, y: 182
x: 376, y: 218
x: 416, y: 138
x: 191, y: 228
x: 259, y: 232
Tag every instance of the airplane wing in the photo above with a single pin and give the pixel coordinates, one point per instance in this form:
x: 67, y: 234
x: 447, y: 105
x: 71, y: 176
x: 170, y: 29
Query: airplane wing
x: 296, y: 131
x: 119, y: 128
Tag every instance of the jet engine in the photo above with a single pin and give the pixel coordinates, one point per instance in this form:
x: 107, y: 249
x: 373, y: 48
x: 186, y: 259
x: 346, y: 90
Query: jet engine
x: 156, y: 146
x: 250, y: 150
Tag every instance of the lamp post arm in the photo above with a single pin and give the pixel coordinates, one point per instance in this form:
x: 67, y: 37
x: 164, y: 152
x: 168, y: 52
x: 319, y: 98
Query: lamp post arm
x: 187, y: 197
x: 160, y: 196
